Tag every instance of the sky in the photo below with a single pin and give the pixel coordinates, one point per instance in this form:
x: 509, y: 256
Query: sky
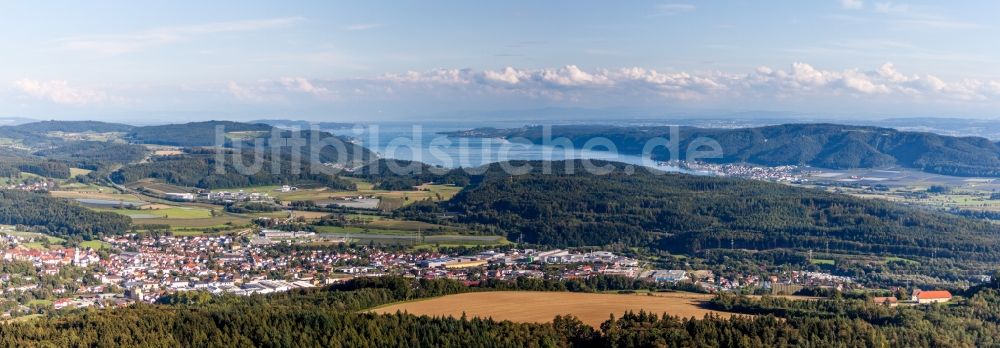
x: 157, y: 61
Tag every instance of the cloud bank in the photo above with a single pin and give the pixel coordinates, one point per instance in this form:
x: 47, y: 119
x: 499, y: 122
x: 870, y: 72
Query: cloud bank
x: 60, y: 92
x: 798, y: 81
x: 799, y: 87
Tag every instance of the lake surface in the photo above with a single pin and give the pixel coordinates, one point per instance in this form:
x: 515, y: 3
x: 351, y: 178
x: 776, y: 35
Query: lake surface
x: 423, y: 142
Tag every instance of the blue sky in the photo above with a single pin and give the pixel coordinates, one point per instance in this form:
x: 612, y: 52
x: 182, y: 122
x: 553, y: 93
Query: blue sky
x: 175, y: 60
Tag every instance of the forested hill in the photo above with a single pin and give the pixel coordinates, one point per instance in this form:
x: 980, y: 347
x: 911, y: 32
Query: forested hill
x: 198, y: 169
x: 190, y: 134
x: 73, y: 127
x: 819, y: 145
x: 94, y: 155
x: 201, y: 134
x: 688, y: 214
x: 304, y: 125
x: 58, y: 217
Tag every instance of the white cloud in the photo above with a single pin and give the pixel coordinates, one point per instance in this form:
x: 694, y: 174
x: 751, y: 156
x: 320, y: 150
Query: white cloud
x: 672, y: 9
x: 278, y: 90
x: 119, y: 44
x: 852, y: 4
x: 886, y: 87
x: 508, y: 75
x: 576, y: 86
x: 60, y: 92
x: 800, y: 79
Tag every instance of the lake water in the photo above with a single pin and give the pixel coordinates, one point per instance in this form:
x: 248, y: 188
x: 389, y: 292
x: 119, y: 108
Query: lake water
x: 422, y: 142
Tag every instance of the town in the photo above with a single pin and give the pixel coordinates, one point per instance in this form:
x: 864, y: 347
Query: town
x: 143, y: 268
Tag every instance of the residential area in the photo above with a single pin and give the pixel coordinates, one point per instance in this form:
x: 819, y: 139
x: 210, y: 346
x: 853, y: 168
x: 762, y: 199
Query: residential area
x: 142, y: 268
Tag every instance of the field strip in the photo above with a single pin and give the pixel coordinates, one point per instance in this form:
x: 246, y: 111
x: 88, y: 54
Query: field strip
x: 540, y: 307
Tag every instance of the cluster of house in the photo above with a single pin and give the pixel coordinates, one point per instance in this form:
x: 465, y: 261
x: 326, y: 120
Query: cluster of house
x: 222, y: 197
x: 144, y: 268
x: 745, y: 171
x: 34, y: 186
x: 155, y: 266
x: 50, y: 260
x: 516, y: 263
x: 783, y: 283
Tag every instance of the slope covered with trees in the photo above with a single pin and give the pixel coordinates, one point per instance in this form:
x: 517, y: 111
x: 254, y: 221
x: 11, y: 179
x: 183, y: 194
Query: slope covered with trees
x: 73, y: 127
x: 190, y: 134
x: 58, y: 217
x: 820, y: 145
x: 687, y: 213
x: 393, y: 174
x: 94, y: 154
x: 199, y: 169
x: 13, y: 164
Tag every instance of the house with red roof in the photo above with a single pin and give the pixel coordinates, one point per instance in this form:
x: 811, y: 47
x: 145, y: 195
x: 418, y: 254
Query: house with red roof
x: 926, y: 297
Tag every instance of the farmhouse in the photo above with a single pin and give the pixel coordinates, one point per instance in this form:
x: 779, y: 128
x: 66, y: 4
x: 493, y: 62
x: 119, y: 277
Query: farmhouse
x: 925, y: 297
x: 887, y: 301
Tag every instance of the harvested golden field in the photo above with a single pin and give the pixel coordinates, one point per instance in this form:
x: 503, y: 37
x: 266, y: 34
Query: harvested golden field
x: 540, y: 307
x: 168, y: 152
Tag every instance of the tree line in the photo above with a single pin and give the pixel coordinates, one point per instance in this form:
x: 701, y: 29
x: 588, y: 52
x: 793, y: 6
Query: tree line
x: 58, y: 217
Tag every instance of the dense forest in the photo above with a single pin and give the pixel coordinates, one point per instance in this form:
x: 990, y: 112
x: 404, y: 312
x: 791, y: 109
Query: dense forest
x: 94, y: 155
x: 190, y: 134
x: 25, y: 137
x: 304, y: 125
x: 58, y: 217
x: 73, y: 127
x: 687, y: 214
x: 392, y: 174
x: 13, y: 164
x: 36, y: 134
x: 198, y: 169
x: 819, y: 145
x: 336, y: 317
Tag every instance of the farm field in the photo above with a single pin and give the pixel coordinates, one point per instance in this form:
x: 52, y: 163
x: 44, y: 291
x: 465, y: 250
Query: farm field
x: 384, y: 225
x: 412, y: 238
x: 541, y: 307
x: 95, y: 244
x: 167, y: 152
x: 163, y: 212
x: 382, y: 222
x: 159, y: 186
x: 911, y: 187
x: 391, y: 199
x: 73, y: 172
x: 94, y: 194
x: 204, y: 223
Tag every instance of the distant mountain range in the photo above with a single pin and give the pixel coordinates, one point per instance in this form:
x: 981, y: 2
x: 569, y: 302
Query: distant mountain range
x: 820, y: 145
